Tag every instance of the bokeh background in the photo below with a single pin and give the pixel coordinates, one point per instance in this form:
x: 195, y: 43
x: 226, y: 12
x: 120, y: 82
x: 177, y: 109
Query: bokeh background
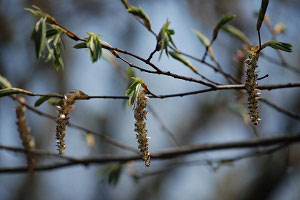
x: 204, y: 118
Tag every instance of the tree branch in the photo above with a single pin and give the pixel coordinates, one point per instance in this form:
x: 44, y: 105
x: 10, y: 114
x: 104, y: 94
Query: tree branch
x: 167, y: 154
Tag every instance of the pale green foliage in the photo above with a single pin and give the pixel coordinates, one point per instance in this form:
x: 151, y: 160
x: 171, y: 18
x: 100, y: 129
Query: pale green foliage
x: 133, y: 91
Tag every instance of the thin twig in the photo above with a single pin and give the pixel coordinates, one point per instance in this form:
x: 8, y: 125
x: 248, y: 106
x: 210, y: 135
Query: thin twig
x: 215, y: 163
x: 279, y: 109
x: 170, y: 134
x: 216, y: 88
x: 172, y: 153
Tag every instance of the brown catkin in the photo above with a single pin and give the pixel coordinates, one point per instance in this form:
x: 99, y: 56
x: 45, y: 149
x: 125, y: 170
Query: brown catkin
x: 251, y: 84
x: 24, y: 131
x: 62, y: 120
x: 140, y: 126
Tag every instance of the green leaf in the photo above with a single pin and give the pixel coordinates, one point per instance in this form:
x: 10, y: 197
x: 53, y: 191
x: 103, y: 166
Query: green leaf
x: 55, y: 102
x: 164, y: 37
x: 81, y: 45
x: 130, y: 74
x: 39, y: 37
x: 36, y: 11
x: 262, y: 12
x: 225, y: 19
x: 278, y: 45
x: 183, y: 60
x: 58, y: 61
x: 138, y: 12
x: 94, y: 45
x: 235, y: 32
x: 4, y: 83
x: 133, y: 91
x: 10, y: 91
x: 112, y: 173
x: 41, y: 100
x: 51, y: 32
x: 55, y: 48
x: 205, y: 41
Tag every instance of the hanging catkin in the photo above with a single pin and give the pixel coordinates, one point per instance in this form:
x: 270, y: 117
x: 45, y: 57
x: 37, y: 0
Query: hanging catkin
x: 62, y: 120
x: 251, y: 84
x: 24, y: 131
x: 140, y: 126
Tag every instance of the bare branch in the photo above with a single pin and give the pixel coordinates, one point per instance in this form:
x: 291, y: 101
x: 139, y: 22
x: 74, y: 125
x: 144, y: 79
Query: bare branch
x: 279, y: 109
x: 172, y: 153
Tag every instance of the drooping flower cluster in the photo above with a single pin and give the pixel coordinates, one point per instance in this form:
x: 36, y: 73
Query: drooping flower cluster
x: 251, y: 84
x: 27, y: 140
x: 62, y: 120
x: 140, y: 126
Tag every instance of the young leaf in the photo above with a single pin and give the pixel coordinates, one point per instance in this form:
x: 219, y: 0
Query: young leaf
x: 81, y: 45
x: 55, y: 102
x: 39, y: 37
x: 4, y: 83
x: 235, y: 32
x: 41, y: 100
x: 94, y: 45
x: 226, y: 18
x: 36, y: 11
x: 133, y: 91
x: 183, y: 60
x: 51, y: 32
x: 112, y: 172
x: 138, y: 12
x: 10, y: 91
x: 262, y: 12
x: 58, y: 61
x: 164, y: 37
x: 130, y: 74
x: 205, y: 41
x: 278, y: 45
x: 55, y: 48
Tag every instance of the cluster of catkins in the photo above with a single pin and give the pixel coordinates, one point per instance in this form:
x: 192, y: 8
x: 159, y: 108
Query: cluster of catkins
x: 251, y: 84
x: 62, y: 120
x: 24, y: 131
x: 140, y: 126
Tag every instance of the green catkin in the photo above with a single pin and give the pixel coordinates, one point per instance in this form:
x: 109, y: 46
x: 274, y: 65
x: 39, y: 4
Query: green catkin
x: 27, y: 140
x: 140, y: 126
x: 251, y: 84
x: 62, y: 121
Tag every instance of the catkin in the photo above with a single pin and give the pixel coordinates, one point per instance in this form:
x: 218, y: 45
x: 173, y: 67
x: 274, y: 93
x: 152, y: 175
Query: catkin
x: 251, y: 84
x: 27, y: 140
x: 62, y: 120
x: 140, y: 126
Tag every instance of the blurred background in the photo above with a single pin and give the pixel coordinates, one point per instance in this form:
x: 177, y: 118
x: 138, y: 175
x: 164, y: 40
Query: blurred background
x: 204, y: 118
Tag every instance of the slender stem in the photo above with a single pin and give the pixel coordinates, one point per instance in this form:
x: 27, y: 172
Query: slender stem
x: 167, y: 154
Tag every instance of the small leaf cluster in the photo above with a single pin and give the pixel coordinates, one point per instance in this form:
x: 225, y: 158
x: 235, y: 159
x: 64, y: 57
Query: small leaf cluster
x: 133, y: 91
x: 164, y: 37
x: 47, y: 36
x: 93, y: 43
